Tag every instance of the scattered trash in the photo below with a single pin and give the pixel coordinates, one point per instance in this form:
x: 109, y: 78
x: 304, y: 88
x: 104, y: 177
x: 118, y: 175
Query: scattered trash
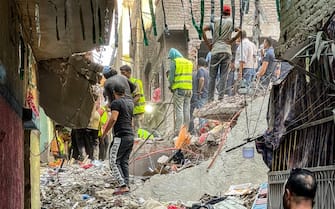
x: 87, y: 186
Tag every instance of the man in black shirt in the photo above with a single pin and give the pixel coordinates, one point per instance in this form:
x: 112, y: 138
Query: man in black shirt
x: 112, y: 79
x: 123, y: 136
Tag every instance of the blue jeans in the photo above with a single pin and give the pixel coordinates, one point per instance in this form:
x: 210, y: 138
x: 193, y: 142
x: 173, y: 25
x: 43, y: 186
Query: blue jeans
x: 248, y: 75
x: 230, y: 83
x: 221, y: 60
x: 196, y: 102
x: 182, y: 103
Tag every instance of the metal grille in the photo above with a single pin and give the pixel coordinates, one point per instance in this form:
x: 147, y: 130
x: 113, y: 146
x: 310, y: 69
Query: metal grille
x: 325, y: 196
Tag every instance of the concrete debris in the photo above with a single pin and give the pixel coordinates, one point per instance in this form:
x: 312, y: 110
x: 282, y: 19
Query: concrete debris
x: 153, y: 204
x: 74, y: 187
x: 230, y: 202
x: 221, y: 110
x: 228, y: 169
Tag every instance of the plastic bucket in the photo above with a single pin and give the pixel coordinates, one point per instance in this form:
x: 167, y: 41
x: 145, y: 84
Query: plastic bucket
x: 248, y: 152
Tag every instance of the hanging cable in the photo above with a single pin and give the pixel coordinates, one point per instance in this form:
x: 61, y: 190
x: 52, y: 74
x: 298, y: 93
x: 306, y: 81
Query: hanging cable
x: 130, y: 26
x: 212, y: 16
x: 212, y: 11
x: 166, y: 29
x: 221, y: 11
x: 145, y: 38
x: 198, y: 28
x: 116, y: 22
x: 232, y: 2
x: 153, y: 18
x: 185, y: 29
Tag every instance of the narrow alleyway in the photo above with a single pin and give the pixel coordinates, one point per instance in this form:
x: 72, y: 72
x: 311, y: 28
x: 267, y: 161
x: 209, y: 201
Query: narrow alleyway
x: 167, y: 104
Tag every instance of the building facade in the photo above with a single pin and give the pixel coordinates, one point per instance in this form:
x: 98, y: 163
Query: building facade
x: 174, y: 29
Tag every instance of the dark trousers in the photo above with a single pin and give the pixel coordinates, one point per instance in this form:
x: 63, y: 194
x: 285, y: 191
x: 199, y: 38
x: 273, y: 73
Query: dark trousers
x: 91, y: 138
x: 221, y: 60
x: 119, y: 153
x: 103, y: 147
x: 87, y: 142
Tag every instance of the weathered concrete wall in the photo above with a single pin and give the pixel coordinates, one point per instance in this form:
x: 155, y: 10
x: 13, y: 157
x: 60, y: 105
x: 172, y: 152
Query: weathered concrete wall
x: 9, y: 45
x: 302, y: 18
x: 175, y: 16
x: 150, y: 62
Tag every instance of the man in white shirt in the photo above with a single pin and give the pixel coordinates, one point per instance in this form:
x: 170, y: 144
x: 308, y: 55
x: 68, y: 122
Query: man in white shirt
x: 246, y: 58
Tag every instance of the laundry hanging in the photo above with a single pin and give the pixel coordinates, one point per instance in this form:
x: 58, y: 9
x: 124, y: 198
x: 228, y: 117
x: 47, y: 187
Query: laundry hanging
x: 166, y: 29
x: 245, y: 6
x: 278, y: 9
x: 202, y: 11
x: 232, y: 2
x: 221, y: 11
x: 185, y: 29
x: 153, y: 18
x: 145, y: 38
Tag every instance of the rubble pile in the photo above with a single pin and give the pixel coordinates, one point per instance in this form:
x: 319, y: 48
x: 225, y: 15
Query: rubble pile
x: 221, y: 110
x: 228, y: 168
x: 89, y: 186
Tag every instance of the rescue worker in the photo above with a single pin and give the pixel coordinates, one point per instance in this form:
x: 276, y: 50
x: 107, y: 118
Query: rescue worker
x: 180, y: 79
x: 60, y: 143
x: 138, y: 97
x: 112, y: 79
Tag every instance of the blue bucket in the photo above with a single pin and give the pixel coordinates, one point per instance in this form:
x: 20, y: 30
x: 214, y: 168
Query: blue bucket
x: 248, y: 152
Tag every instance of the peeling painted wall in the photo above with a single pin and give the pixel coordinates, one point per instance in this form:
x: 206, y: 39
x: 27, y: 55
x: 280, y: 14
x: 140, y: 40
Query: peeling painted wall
x: 11, y: 158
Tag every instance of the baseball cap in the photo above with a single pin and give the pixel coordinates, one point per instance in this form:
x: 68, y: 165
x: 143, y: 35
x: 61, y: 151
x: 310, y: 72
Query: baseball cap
x: 226, y: 9
x: 106, y: 69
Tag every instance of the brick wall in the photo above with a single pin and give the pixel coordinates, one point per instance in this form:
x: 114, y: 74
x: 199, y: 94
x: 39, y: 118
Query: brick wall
x: 301, y: 18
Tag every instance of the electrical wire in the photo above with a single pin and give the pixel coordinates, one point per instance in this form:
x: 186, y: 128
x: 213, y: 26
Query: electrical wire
x: 147, y: 138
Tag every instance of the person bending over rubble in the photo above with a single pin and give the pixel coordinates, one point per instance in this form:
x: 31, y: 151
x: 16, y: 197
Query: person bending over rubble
x: 112, y: 79
x: 123, y: 137
x: 299, y: 190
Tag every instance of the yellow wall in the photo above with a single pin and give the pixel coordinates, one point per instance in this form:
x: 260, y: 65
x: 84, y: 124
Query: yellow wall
x: 35, y: 169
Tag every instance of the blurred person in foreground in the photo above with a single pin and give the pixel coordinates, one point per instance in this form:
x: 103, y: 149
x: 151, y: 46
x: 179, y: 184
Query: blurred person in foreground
x: 299, y: 190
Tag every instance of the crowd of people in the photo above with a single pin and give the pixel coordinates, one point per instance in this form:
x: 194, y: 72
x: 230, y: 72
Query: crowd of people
x: 231, y: 61
x: 232, y: 64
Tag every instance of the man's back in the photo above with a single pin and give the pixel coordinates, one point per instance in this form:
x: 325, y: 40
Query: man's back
x: 123, y: 125
x: 221, y: 37
x: 117, y: 79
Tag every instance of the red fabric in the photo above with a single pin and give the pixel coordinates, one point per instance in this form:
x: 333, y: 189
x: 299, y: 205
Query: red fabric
x: 156, y: 96
x: 87, y: 166
x: 202, y: 138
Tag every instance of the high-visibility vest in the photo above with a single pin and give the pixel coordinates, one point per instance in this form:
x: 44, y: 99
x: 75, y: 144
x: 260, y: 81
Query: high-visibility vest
x: 103, y: 119
x: 183, y: 74
x: 144, y: 134
x: 140, y: 105
x: 57, y: 146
